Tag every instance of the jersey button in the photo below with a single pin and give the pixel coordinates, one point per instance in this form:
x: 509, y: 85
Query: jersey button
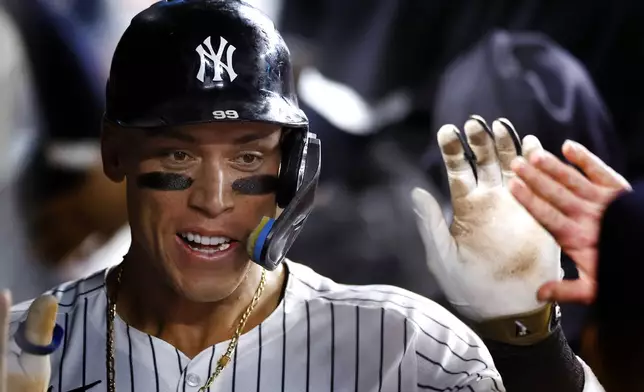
x: 193, y: 380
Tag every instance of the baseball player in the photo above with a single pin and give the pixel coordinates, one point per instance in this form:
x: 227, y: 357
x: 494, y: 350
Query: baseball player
x: 202, y: 123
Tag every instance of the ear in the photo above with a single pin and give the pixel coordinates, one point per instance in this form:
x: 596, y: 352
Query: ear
x: 112, y: 152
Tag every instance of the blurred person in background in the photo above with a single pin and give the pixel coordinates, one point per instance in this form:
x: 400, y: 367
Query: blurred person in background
x: 19, y: 133
x: 350, y: 88
x: 72, y: 210
x: 377, y: 50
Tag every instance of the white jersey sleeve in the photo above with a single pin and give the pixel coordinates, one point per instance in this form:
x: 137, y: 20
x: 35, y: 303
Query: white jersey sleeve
x: 450, y: 356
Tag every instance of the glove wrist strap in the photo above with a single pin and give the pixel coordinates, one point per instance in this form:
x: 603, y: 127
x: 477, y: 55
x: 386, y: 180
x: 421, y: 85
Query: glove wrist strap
x: 521, y: 329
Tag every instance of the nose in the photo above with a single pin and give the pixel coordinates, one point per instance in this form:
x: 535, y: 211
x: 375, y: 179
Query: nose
x: 212, y: 193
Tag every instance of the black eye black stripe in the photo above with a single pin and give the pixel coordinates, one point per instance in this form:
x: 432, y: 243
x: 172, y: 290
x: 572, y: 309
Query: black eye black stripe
x: 252, y: 185
x: 164, y: 181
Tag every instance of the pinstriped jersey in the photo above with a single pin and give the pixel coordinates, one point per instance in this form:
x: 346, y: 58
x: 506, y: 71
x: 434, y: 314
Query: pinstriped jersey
x: 323, y: 337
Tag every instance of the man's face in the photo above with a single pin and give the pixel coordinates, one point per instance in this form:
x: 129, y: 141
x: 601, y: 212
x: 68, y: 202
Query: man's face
x: 195, y: 193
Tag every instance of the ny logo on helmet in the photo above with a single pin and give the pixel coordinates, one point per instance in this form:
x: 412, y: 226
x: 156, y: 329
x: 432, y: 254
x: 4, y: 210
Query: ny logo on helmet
x: 206, y: 53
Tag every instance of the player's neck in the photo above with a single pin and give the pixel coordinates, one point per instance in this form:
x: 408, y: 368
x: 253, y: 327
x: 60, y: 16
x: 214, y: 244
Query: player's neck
x: 150, y: 306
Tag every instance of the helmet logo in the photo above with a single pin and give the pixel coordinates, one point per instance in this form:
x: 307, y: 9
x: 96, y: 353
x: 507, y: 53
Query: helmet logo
x: 206, y: 54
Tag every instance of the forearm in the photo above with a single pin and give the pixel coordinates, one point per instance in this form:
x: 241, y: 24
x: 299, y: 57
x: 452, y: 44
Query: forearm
x: 549, y: 365
x: 531, y: 352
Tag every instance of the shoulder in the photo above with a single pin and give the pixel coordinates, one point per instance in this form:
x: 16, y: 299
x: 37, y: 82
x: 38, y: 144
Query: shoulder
x: 439, y: 345
x: 425, y: 318
x: 69, y: 295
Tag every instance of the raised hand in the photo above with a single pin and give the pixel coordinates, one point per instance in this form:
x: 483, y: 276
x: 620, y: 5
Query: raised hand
x: 570, y: 206
x: 494, y: 256
x: 28, y: 369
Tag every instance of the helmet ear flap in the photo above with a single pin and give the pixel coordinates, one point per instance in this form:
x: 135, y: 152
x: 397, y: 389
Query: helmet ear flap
x: 272, y: 238
x: 292, y: 160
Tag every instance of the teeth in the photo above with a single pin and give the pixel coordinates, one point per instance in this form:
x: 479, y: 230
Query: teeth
x: 203, y: 240
x: 220, y: 248
x: 218, y: 244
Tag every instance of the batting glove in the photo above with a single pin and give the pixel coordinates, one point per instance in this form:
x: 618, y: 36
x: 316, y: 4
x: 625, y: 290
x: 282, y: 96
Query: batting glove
x: 492, y: 259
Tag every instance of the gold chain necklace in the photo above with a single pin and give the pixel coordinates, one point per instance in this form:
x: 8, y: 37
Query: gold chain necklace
x: 223, y: 360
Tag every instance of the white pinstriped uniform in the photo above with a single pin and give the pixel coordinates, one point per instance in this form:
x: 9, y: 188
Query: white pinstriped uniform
x: 323, y: 337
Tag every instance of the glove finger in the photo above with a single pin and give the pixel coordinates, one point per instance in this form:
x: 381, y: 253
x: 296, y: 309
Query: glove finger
x: 460, y: 173
x: 438, y: 241
x: 508, y: 146
x: 481, y: 140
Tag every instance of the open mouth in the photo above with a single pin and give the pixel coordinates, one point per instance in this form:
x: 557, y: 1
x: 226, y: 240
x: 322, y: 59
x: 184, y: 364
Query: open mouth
x: 204, y: 244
